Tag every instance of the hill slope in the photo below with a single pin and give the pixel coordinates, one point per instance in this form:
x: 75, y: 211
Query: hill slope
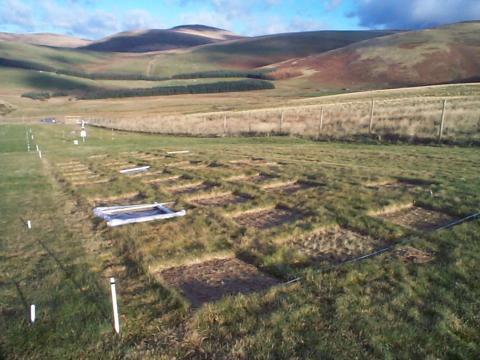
x: 45, y: 39
x: 265, y: 50
x: 157, y: 40
x: 441, y: 55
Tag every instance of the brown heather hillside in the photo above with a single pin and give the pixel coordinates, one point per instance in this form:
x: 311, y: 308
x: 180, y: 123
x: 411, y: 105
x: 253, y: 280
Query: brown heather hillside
x: 447, y: 54
x: 45, y: 39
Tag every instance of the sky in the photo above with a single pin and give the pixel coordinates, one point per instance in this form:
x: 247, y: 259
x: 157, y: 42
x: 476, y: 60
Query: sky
x: 94, y: 19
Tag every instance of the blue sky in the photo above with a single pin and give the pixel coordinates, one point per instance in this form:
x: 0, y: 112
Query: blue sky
x: 97, y: 18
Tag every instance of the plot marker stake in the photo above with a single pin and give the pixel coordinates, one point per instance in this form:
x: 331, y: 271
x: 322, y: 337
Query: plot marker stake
x: 29, y: 224
x: 116, y: 323
x: 32, y: 313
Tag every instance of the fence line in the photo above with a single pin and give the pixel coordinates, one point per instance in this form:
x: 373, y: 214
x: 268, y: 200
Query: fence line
x: 435, y: 118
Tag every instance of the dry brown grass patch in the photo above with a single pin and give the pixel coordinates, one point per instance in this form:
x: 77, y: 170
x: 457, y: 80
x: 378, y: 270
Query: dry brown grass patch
x: 411, y: 254
x: 415, y: 217
x: 169, y: 180
x: 288, y: 187
x: 121, y: 199
x: 334, y: 244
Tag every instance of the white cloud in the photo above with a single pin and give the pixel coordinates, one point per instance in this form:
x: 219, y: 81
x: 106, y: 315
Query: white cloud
x: 208, y: 18
x: 266, y: 25
x: 75, y: 19
x: 17, y: 13
x: 409, y: 14
x: 139, y: 19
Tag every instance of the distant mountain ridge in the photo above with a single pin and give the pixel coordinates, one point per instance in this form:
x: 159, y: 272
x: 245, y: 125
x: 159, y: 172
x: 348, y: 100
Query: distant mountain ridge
x: 179, y: 37
x: 45, y: 39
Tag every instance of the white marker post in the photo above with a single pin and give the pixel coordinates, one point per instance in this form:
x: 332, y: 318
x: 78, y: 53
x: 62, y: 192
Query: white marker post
x: 116, y: 323
x: 83, y: 134
x: 39, y: 154
x: 29, y: 224
x: 32, y: 313
x: 37, y: 148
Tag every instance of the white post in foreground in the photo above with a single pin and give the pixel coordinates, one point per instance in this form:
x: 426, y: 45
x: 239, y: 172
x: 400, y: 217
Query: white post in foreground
x: 39, y: 154
x: 116, y: 323
x: 29, y: 224
x: 32, y: 313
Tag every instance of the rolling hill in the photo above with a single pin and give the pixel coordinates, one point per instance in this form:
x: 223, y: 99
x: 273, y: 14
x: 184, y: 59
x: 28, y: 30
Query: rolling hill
x: 45, y: 39
x: 265, y: 50
x: 179, y: 37
x: 446, y: 54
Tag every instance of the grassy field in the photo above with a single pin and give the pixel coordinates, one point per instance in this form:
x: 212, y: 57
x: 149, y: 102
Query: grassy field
x: 260, y: 212
x: 405, y: 114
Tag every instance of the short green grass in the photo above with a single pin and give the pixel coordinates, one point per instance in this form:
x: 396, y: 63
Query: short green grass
x: 384, y: 307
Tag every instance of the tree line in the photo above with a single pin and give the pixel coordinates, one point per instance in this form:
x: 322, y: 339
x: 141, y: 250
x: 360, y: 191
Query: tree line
x: 30, y: 65
x: 216, y: 87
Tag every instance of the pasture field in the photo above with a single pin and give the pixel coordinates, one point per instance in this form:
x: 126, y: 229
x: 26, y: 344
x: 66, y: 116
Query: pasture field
x: 257, y: 267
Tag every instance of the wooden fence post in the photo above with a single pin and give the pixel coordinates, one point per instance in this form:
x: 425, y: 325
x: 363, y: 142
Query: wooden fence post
x: 224, y: 124
x: 370, y: 126
x: 442, y: 122
x: 321, y: 120
x: 281, y: 121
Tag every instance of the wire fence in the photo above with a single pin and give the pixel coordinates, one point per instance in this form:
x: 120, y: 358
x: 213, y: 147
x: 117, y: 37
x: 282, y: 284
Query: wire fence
x: 455, y: 119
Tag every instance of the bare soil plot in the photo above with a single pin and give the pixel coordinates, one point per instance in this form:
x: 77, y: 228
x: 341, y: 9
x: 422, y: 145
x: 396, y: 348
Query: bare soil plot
x: 166, y: 180
x: 213, y: 279
x: 334, y: 244
x: 266, y: 218
x: 219, y: 200
x: 122, y: 199
x: 415, y: 217
x: 189, y: 189
x: 287, y: 188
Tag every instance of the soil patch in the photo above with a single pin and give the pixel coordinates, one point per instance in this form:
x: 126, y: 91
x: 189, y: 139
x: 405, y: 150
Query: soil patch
x: 418, y: 218
x: 213, y: 279
x: 189, y: 189
x: 264, y: 219
x: 287, y: 188
x: 334, y: 244
x: 220, y: 200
